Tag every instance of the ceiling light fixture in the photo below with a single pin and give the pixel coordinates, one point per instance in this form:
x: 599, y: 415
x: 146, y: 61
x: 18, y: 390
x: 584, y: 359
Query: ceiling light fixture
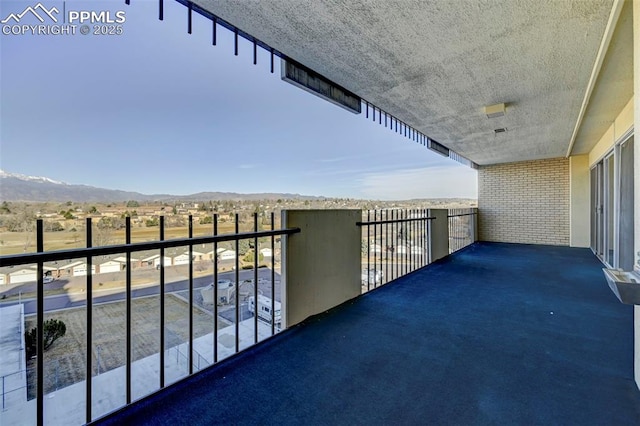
x: 493, y: 111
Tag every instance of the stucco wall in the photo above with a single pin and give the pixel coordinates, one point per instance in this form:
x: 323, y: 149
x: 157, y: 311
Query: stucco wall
x: 525, y: 202
x: 580, y: 189
x: 321, y: 264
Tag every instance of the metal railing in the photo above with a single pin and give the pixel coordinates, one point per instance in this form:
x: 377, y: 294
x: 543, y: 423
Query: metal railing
x: 40, y: 257
x: 395, y: 242
x: 462, y: 228
x: 7, y: 390
x: 182, y: 358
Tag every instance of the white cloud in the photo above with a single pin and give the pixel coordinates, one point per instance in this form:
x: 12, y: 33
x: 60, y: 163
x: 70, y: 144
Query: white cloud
x: 430, y: 182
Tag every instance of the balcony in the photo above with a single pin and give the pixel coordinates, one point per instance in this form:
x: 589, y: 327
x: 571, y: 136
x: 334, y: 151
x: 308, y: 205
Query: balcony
x: 493, y: 333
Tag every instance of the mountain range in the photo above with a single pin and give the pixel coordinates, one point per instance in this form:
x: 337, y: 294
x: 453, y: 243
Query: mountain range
x: 17, y: 187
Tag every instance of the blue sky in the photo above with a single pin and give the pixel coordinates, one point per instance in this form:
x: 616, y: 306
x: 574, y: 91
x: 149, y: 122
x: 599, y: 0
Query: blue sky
x: 156, y: 110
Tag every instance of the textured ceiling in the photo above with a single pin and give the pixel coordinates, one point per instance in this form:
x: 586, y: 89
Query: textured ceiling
x: 436, y: 64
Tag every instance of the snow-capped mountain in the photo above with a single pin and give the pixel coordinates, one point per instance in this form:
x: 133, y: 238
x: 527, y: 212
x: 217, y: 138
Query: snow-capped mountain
x: 18, y: 187
x: 4, y: 174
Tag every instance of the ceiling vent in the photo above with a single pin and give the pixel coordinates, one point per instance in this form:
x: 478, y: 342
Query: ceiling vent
x: 493, y: 111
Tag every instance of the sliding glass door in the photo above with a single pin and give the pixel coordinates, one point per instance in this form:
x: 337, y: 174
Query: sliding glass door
x: 609, y: 213
x: 612, y: 207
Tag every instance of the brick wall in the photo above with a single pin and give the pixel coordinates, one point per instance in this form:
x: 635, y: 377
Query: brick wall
x: 526, y: 202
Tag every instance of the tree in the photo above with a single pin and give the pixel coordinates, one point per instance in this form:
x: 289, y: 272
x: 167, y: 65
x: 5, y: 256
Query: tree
x: 23, y: 220
x: 53, y: 226
x: 152, y: 222
x: 206, y: 220
x: 93, y: 210
x: 103, y: 233
x: 133, y: 203
x: 4, y: 209
x: 243, y: 246
x: 249, y: 257
x: 53, y: 330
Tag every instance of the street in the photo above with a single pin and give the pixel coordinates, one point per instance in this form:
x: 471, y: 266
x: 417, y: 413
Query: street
x: 78, y: 299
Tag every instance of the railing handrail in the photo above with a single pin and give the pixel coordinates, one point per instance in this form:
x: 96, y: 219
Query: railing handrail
x: 382, y: 222
x: 463, y: 214
x: 21, y: 371
x: 55, y: 255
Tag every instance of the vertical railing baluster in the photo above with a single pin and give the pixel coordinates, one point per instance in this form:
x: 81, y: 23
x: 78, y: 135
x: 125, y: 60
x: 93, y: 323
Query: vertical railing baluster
x: 189, y: 17
x: 273, y: 278
x: 128, y: 310
x: 398, y: 243
x: 409, y: 241
x: 368, y: 228
x: 386, y: 245
x: 429, y: 235
x: 162, y: 288
x: 89, y: 302
x: 237, y: 298
x: 255, y: 279
x: 255, y: 52
x: 405, y: 233
x: 416, y: 240
x: 161, y: 10
x: 235, y: 35
x: 454, y: 244
x: 375, y: 254
x: 214, y: 31
x: 272, y: 61
x: 190, y: 355
x: 215, y: 289
x: 412, y: 254
x: 40, y: 325
x: 394, y: 225
x: 425, y: 238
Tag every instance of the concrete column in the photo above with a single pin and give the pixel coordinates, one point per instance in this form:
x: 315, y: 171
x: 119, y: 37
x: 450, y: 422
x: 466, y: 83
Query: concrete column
x: 636, y: 165
x: 438, y: 234
x: 321, y: 265
x: 580, y: 193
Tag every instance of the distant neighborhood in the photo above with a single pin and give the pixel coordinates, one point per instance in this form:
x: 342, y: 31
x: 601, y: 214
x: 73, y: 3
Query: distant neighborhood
x: 110, y: 264
x: 64, y: 227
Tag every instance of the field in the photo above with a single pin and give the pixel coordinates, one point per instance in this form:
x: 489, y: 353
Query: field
x: 65, y: 361
x: 15, y: 242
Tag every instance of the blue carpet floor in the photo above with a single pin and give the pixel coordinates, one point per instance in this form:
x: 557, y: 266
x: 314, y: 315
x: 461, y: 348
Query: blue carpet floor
x: 497, y: 334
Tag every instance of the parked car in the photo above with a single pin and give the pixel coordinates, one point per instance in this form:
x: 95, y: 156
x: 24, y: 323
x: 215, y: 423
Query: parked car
x: 373, y: 276
x: 47, y: 279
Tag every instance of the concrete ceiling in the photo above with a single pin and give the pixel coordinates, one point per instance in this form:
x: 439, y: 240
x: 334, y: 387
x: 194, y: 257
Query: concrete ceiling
x: 436, y: 64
